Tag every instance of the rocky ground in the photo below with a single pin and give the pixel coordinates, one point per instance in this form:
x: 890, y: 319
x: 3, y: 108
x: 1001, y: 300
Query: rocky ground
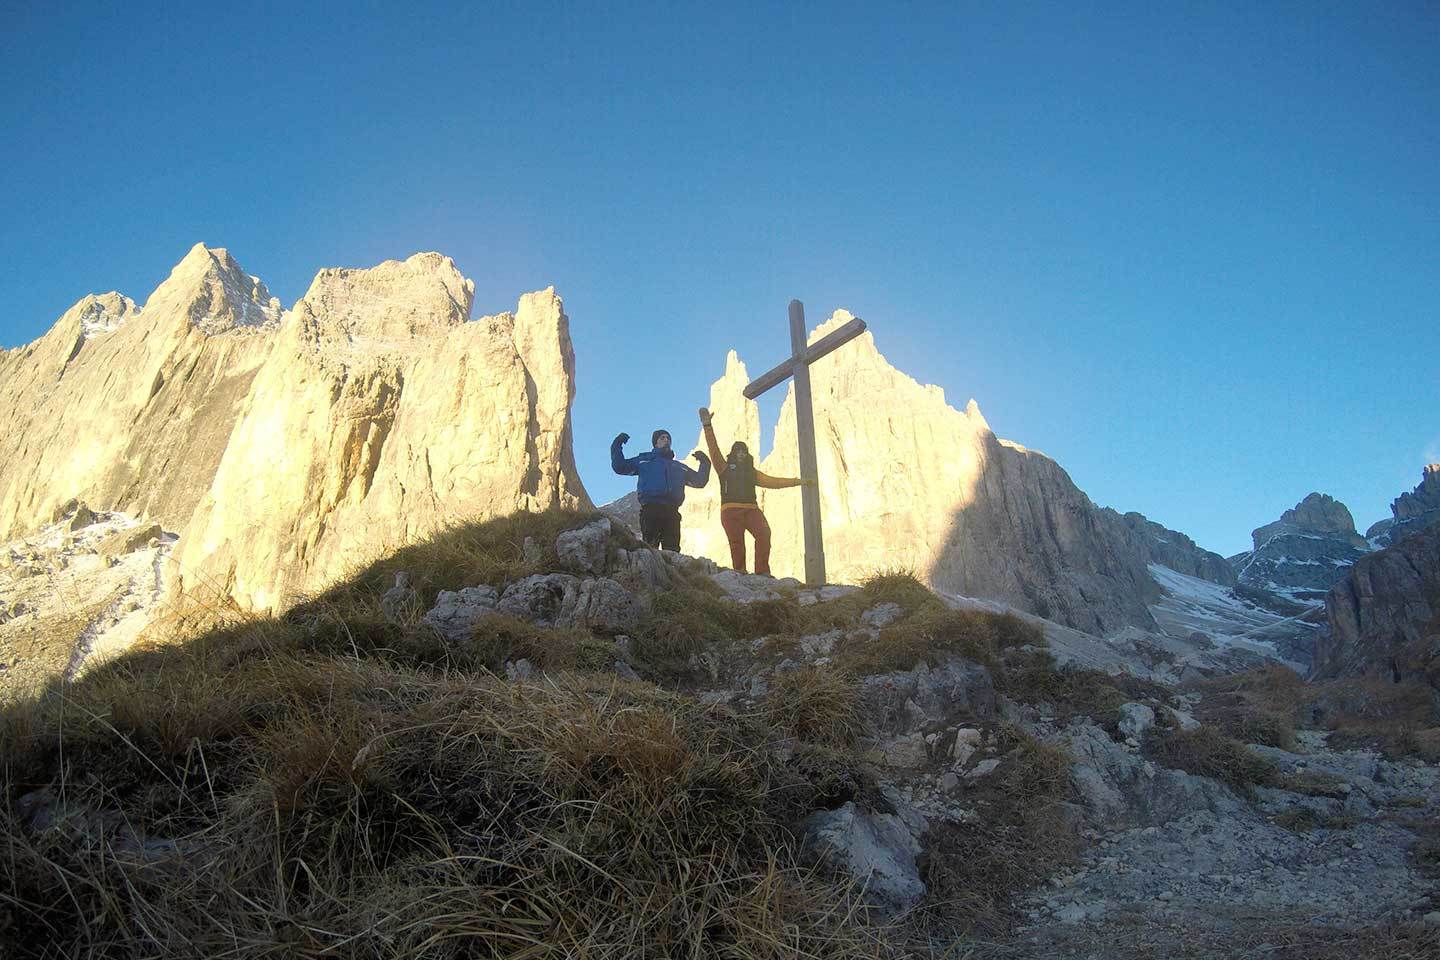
x: 998, y: 786
x: 78, y: 591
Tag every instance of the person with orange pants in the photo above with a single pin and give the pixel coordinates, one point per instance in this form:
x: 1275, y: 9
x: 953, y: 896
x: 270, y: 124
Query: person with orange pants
x: 739, y: 509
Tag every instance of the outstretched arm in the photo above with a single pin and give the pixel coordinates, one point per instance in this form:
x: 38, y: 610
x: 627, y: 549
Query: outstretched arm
x: 618, y: 462
x: 776, y: 483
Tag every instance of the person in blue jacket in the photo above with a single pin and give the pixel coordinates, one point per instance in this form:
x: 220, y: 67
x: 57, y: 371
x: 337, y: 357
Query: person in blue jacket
x: 661, y: 485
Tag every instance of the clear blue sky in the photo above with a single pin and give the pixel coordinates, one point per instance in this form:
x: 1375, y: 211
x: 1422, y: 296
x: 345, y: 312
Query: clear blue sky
x: 1190, y: 251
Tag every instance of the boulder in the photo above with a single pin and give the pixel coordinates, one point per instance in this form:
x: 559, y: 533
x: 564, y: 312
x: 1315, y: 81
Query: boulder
x: 539, y: 598
x: 967, y: 742
x: 128, y: 541
x: 601, y: 605
x: 747, y: 587
x: 82, y: 517
x: 1135, y: 719
x: 882, y: 615
x: 896, y: 703
x: 1118, y: 789
x: 584, y: 550
x: 400, y: 602
x: 877, y: 850
x: 457, y: 613
x: 644, y: 569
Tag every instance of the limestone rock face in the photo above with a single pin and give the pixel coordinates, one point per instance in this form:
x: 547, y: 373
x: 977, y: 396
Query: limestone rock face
x: 130, y: 408
x: 908, y: 481
x: 381, y: 414
x: 1413, y: 511
x: 1171, y: 548
x: 289, y: 447
x: 1384, y: 615
x: 1299, y: 557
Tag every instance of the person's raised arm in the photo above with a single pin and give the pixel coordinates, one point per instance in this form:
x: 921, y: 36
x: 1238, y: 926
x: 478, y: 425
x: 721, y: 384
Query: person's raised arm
x: 698, y: 478
x: 710, y: 440
x: 618, y: 462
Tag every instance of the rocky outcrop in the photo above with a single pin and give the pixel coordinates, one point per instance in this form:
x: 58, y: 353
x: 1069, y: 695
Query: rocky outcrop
x: 289, y: 447
x: 1171, y: 548
x: 1298, y: 558
x: 382, y: 414
x: 1411, y: 512
x: 131, y: 408
x: 1383, y: 615
x: 907, y: 481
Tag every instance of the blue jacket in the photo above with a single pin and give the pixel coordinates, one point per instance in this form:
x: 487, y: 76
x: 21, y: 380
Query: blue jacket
x: 663, y: 479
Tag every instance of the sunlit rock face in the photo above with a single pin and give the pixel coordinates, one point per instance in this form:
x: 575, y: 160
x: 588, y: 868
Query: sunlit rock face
x: 383, y: 413
x: 1411, y: 512
x: 288, y: 447
x: 131, y: 408
x: 908, y: 482
x: 1299, y: 557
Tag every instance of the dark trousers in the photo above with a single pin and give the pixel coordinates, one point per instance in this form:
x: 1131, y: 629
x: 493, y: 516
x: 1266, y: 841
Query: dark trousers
x: 660, y: 525
x: 738, y: 521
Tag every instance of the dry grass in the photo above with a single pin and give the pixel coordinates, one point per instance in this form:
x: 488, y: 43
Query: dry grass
x: 816, y: 705
x: 480, y: 552
x: 416, y: 814
x: 331, y: 784
x: 1258, y: 706
x: 934, y: 633
x: 1267, y: 704
x: 1206, y: 752
x: 1023, y: 833
x: 1033, y: 677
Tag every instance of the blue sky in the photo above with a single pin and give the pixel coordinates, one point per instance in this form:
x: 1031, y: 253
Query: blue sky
x: 1190, y: 251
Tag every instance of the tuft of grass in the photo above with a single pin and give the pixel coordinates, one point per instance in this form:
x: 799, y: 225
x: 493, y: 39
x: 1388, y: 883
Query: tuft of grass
x: 816, y: 705
x: 1034, y: 677
x: 1206, y: 752
x: 935, y: 633
x: 899, y: 586
x: 1314, y: 784
x: 1257, y: 706
x: 1303, y: 820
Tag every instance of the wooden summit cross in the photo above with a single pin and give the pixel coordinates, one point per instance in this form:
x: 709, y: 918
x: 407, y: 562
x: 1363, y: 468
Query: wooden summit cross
x: 798, y: 366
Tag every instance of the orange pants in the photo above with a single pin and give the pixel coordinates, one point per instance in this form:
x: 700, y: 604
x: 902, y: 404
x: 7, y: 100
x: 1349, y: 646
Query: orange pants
x: 738, y: 520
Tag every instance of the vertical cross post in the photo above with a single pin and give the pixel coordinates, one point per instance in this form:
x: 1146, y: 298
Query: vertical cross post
x: 809, y: 468
x: 797, y: 365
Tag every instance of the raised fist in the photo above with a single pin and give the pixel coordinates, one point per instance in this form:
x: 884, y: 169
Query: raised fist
x: 704, y: 415
x: 700, y: 455
x: 622, y: 438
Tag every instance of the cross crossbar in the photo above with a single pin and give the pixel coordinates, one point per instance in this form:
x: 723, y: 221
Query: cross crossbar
x: 818, y: 349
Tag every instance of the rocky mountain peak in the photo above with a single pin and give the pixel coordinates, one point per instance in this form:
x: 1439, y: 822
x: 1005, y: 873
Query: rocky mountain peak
x: 388, y: 305
x: 211, y: 292
x: 1319, y: 514
x: 1410, y: 512
x: 102, y: 313
x: 1298, y: 558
